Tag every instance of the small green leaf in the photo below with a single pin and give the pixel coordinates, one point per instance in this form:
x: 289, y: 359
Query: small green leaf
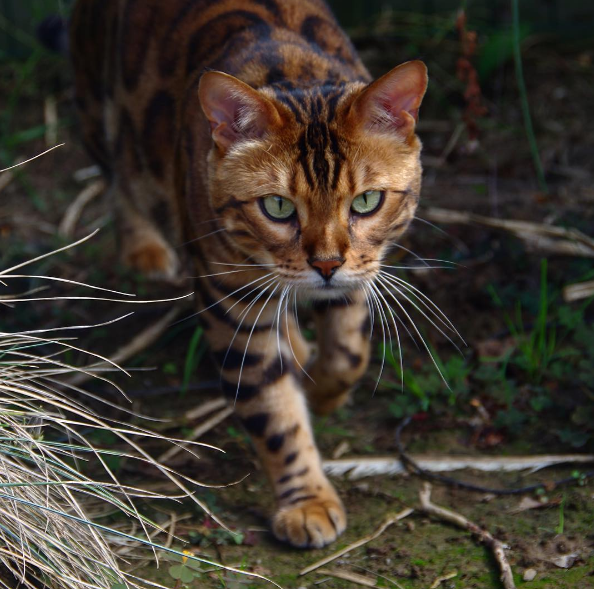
x: 176, y: 571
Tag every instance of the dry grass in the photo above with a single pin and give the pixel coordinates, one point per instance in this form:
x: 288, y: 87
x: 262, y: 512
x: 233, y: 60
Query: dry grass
x: 47, y: 537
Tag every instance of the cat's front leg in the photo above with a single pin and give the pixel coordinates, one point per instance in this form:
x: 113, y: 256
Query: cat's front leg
x: 262, y: 380
x: 343, y: 329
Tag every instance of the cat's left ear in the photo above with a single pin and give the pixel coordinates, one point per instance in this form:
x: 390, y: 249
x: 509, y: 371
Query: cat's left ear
x: 235, y: 110
x: 391, y: 103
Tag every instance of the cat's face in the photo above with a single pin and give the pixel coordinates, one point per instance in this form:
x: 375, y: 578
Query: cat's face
x: 318, y: 187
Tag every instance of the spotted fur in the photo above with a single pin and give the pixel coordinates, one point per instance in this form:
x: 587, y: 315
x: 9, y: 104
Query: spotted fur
x: 197, y: 110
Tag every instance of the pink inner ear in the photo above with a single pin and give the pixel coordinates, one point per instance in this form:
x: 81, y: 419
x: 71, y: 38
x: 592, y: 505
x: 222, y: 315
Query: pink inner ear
x: 234, y: 110
x: 393, y: 101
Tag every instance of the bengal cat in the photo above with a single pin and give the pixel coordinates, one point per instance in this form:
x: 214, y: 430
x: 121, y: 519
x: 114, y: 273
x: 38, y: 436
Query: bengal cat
x: 251, y: 129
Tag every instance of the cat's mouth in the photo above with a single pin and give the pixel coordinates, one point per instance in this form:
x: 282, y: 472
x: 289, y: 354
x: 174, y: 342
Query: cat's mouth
x: 334, y: 288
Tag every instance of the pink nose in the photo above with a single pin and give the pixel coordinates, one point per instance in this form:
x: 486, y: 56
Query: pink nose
x: 326, y: 268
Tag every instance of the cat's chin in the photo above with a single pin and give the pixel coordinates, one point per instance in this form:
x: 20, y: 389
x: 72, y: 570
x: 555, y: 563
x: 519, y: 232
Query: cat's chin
x: 326, y: 293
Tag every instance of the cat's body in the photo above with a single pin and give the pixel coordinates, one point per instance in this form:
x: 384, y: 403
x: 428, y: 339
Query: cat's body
x: 299, y: 174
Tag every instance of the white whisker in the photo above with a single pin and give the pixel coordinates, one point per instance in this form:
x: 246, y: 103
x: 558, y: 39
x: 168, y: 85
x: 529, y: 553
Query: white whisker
x: 244, y: 314
x: 289, y: 336
x: 388, y: 283
x: 224, y: 273
x: 278, y: 320
x: 250, y: 338
x: 267, y: 283
x: 425, y: 301
x: 382, y: 323
x: 425, y: 267
x: 241, y: 265
x: 426, y: 346
x: 391, y: 312
x: 369, y: 307
x: 203, y: 236
x: 234, y: 292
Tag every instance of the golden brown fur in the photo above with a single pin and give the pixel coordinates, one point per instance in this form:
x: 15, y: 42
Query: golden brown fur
x: 191, y: 156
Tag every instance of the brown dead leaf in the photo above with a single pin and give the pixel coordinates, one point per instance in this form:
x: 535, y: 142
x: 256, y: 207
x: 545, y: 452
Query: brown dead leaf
x: 528, y: 503
x: 495, y: 348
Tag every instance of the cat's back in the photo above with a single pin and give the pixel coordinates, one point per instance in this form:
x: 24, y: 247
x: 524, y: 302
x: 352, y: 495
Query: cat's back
x: 134, y: 42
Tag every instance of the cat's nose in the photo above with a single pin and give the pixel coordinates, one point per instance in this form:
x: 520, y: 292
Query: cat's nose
x: 326, y: 268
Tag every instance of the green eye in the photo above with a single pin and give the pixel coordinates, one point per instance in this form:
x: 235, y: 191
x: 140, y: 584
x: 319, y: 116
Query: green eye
x: 277, y: 207
x: 366, y: 203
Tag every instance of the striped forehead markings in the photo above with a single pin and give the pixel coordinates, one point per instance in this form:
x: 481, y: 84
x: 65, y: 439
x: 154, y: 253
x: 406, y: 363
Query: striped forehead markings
x: 318, y: 144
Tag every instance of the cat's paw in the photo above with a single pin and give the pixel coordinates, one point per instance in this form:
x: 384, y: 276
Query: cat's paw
x: 154, y: 260
x: 314, y: 523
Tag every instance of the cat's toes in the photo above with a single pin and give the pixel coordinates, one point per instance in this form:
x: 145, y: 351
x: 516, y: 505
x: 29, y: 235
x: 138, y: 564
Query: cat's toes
x: 314, y: 523
x: 154, y: 260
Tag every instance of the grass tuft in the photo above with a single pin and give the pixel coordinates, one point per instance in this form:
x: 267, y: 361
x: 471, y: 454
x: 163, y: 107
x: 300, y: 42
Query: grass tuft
x: 47, y: 535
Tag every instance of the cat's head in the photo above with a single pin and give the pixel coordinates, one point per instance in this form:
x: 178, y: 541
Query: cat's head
x: 316, y: 183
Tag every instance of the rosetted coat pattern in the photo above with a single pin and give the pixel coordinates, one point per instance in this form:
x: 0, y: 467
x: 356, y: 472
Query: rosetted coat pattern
x: 205, y: 115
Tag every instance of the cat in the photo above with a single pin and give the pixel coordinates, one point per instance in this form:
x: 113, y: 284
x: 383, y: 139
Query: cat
x: 251, y: 130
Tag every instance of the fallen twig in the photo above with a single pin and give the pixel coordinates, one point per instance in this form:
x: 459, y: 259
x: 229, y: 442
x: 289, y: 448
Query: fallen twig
x: 356, y: 578
x: 557, y: 240
x: 205, y: 409
x: 483, y: 535
x: 392, y: 519
x: 136, y: 344
x: 441, y: 579
x: 384, y: 465
x: 196, y: 433
x: 576, y: 292
x: 413, y: 466
x: 74, y: 211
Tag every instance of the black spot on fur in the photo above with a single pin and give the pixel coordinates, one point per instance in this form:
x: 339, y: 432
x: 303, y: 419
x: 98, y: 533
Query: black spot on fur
x: 302, y: 498
x: 275, y: 442
x: 286, y: 494
x: 355, y: 360
x: 256, y: 424
x: 244, y: 392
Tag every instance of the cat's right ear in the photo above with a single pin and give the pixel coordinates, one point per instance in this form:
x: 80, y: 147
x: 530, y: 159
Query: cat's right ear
x: 236, y: 111
x: 391, y: 103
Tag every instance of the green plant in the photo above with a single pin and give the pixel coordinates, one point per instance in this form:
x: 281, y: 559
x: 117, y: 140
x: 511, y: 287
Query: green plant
x: 536, y: 348
x: 561, y: 525
x: 186, y: 571
x: 524, y: 96
x: 193, y: 356
x: 426, y: 385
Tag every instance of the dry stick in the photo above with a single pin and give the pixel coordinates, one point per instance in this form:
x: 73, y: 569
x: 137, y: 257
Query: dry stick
x: 548, y: 237
x: 361, y: 542
x: 483, y: 535
x: 414, y: 467
x: 196, y: 433
x: 441, y: 579
x: 74, y: 211
x: 352, y: 577
x: 357, y: 467
x: 204, y: 409
x: 576, y: 292
x: 137, y: 344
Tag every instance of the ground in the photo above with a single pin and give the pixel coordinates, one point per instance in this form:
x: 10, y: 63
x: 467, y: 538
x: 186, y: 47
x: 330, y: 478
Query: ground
x: 523, y: 384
